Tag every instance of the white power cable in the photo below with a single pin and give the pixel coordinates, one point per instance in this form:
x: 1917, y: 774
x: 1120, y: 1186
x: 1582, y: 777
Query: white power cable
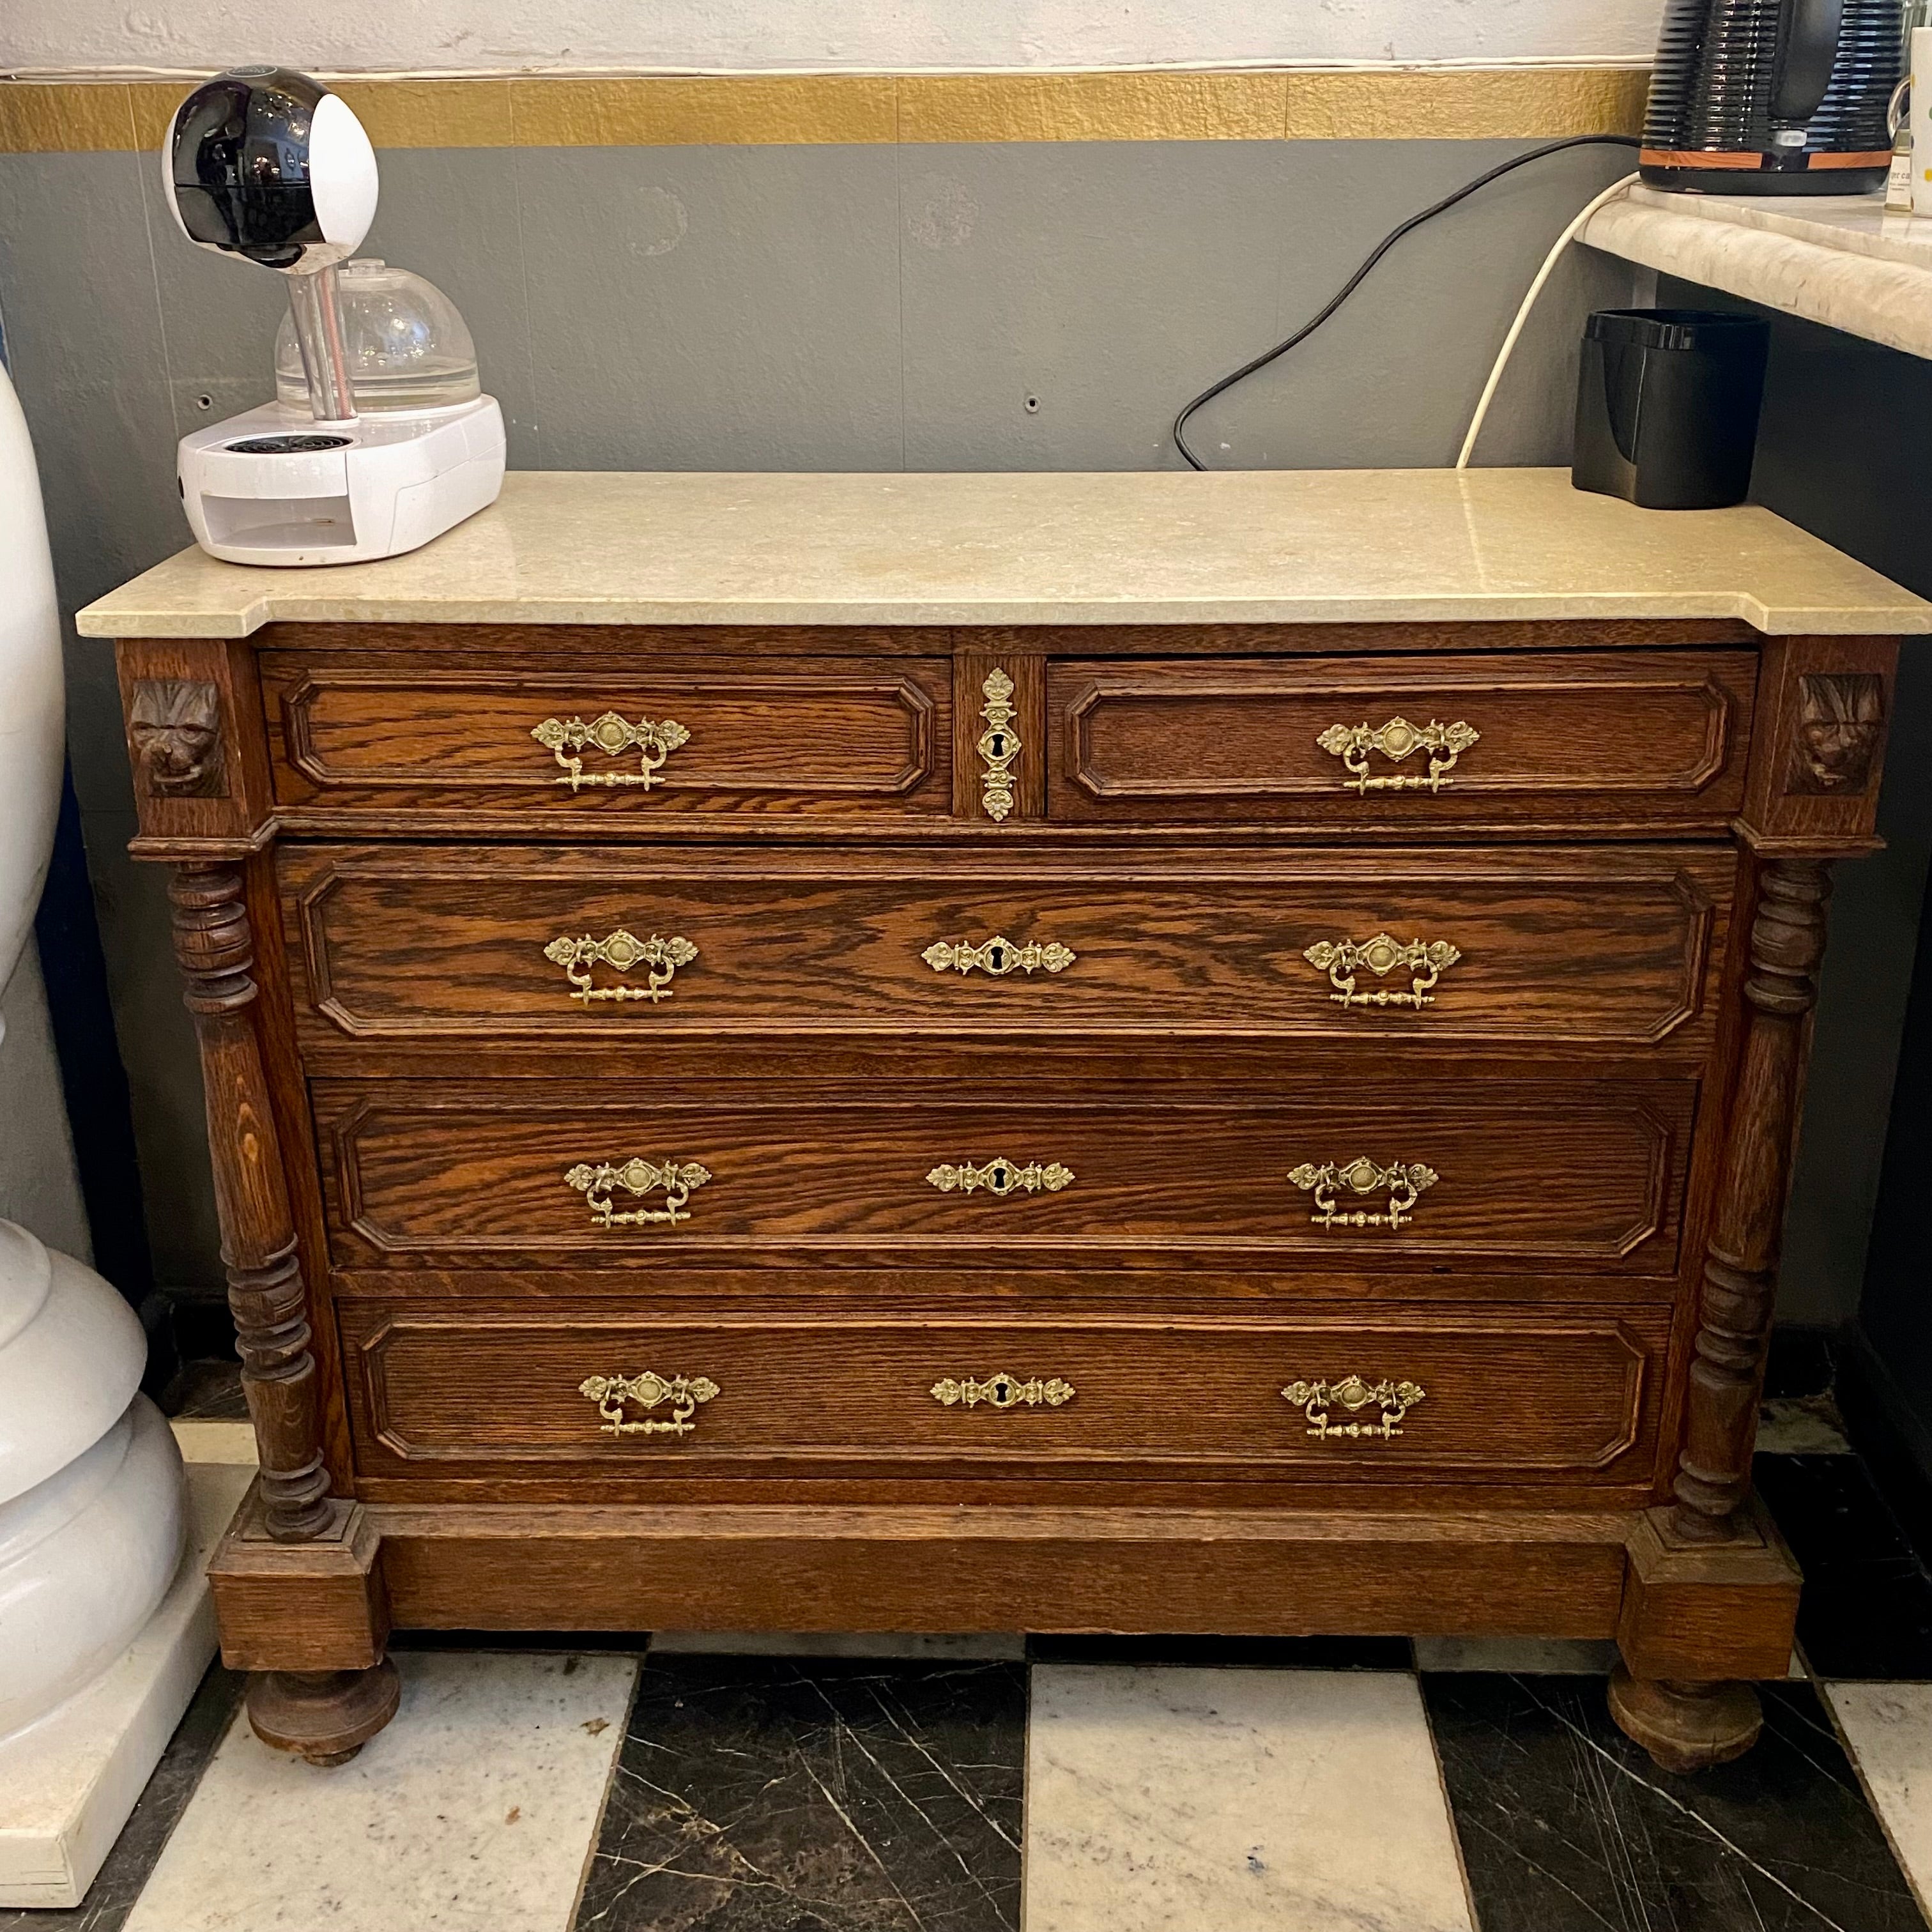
x: 1542, y: 275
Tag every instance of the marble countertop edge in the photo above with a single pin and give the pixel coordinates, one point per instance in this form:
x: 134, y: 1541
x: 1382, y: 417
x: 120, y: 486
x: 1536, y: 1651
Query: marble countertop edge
x: 1040, y: 548
x: 1841, y: 284
x: 1503, y: 607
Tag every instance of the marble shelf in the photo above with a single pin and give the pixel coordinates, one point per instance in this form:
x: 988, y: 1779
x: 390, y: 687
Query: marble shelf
x: 1255, y: 546
x: 1840, y: 260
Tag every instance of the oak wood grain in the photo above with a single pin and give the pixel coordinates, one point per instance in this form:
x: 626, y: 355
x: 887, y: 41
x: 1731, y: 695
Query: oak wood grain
x: 626, y: 645
x: 265, y: 1291
x: 783, y: 738
x: 1535, y: 1172
x: 1787, y: 943
x: 1522, y: 1395
x: 1663, y: 737
x: 1582, y: 946
x: 1119, y: 1568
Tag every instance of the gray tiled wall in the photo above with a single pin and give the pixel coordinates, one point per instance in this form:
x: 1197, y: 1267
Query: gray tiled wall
x: 808, y: 308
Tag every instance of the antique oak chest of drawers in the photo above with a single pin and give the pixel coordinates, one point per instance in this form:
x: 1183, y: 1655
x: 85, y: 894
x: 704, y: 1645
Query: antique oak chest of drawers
x: 1165, y: 1053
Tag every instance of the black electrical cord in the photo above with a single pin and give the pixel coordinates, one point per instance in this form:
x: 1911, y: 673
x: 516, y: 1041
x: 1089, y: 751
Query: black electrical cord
x: 1375, y: 255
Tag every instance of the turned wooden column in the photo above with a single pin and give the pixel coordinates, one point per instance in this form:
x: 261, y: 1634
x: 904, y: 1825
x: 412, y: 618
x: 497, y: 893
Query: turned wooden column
x: 1787, y: 940
x: 266, y: 1292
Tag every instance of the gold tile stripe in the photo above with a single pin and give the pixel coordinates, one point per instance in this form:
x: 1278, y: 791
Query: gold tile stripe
x: 763, y: 110
x: 60, y: 118
x: 1465, y: 104
x: 1119, y: 106
x: 752, y: 109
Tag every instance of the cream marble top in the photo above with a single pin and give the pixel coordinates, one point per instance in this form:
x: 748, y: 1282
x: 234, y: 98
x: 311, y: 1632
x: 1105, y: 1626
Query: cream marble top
x: 1324, y: 546
x: 1838, y: 260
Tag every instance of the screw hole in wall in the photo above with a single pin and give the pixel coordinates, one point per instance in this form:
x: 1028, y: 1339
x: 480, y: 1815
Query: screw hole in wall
x: 1032, y: 406
x: 204, y: 402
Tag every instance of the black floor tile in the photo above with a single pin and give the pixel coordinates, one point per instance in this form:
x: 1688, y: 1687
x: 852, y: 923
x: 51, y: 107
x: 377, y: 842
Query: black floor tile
x: 111, y: 1896
x: 1278, y: 1653
x: 1802, y: 1361
x: 762, y: 1794
x: 1567, y: 1826
x: 1867, y: 1606
x: 563, y: 1643
x: 206, y: 1392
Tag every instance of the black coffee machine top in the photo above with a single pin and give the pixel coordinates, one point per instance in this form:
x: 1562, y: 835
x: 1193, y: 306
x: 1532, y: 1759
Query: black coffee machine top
x: 1773, y: 97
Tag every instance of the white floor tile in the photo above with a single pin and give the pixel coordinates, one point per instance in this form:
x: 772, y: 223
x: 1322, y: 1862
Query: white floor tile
x: 1889, y: 1728
x: 981, y: 1646
x: 216, y: 1441
x: 475, y: 1811
x: 1517, y: 1656
x: 1801, y: 1426
x: 67, y: 1783
x: 1246, y: 1801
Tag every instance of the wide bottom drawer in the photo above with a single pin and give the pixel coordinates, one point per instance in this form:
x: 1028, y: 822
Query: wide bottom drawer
x: 1522, y: 1395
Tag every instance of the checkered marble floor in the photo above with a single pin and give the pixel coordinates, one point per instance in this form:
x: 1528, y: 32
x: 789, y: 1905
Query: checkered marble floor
x: 714, y: 1782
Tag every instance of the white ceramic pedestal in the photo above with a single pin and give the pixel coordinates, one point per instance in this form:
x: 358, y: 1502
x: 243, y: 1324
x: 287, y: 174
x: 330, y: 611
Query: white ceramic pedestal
x: 70, y: 1781
x: 91, y: 1489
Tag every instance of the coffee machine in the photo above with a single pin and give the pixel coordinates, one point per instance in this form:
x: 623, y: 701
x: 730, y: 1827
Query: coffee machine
x: 386, y: 439
x: 1773, y: 97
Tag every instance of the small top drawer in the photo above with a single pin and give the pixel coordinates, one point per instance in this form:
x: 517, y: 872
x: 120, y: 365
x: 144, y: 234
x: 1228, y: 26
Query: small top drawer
x: 1642, y: 740
x: 571, y: 741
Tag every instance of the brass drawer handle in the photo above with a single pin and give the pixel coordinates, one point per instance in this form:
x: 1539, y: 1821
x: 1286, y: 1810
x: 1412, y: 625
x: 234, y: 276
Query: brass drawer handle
x: 1362, y: 1176
x: 653, y: 742
x: 999, y: 746
x: 1315, y: 1399
x: 1001, y: 1177
x: 1002, y: 1391
x: 622, y: 951
x: 1342, y: 959
x: 678, y: 1178
x: 998, y: 956
x: 1352, y: 744
x: 611, y: 1393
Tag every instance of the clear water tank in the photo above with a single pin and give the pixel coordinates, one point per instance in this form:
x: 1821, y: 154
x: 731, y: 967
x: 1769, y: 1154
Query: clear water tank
x: 408, y: 347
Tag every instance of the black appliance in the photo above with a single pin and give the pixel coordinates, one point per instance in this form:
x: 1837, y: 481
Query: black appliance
x: 1667, y: 404
x: 1773, y: 97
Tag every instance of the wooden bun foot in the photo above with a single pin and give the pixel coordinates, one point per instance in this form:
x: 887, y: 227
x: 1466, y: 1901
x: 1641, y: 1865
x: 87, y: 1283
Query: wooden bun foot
x: 1686, y: 1727
x: 324, y: 1717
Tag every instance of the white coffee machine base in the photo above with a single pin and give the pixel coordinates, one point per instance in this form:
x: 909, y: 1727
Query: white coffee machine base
x: 275, y: 486
x: 68, y: 1782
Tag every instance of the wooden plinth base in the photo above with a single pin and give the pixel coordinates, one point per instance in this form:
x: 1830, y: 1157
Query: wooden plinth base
x: 324, y: 1717
x: 1695, y: 1624
x: 1686, y: 1727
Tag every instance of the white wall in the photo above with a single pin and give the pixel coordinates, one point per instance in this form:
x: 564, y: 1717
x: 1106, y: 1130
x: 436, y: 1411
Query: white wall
x: 349, y: 35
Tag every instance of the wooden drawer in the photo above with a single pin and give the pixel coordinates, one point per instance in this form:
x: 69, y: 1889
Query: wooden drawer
x: 1588, y: 1175
x: 1605, y: 948
x: 439, y: 1391
x: 852, y: 736
x: 1641, y: 740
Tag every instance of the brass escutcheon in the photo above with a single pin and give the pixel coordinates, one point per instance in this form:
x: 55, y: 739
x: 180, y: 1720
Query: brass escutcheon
x: 610, y: 734
x: 611, y: 1393
x: 1000, y: 1177
x: 998, y: 956
x: 1001, y: 1391
x: 999, y: 746
x: 622, y: 951
x: 1315, y: 1399
x: 1352, y: 744
x: 1342, y: 959
x: 1405, y: 1182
